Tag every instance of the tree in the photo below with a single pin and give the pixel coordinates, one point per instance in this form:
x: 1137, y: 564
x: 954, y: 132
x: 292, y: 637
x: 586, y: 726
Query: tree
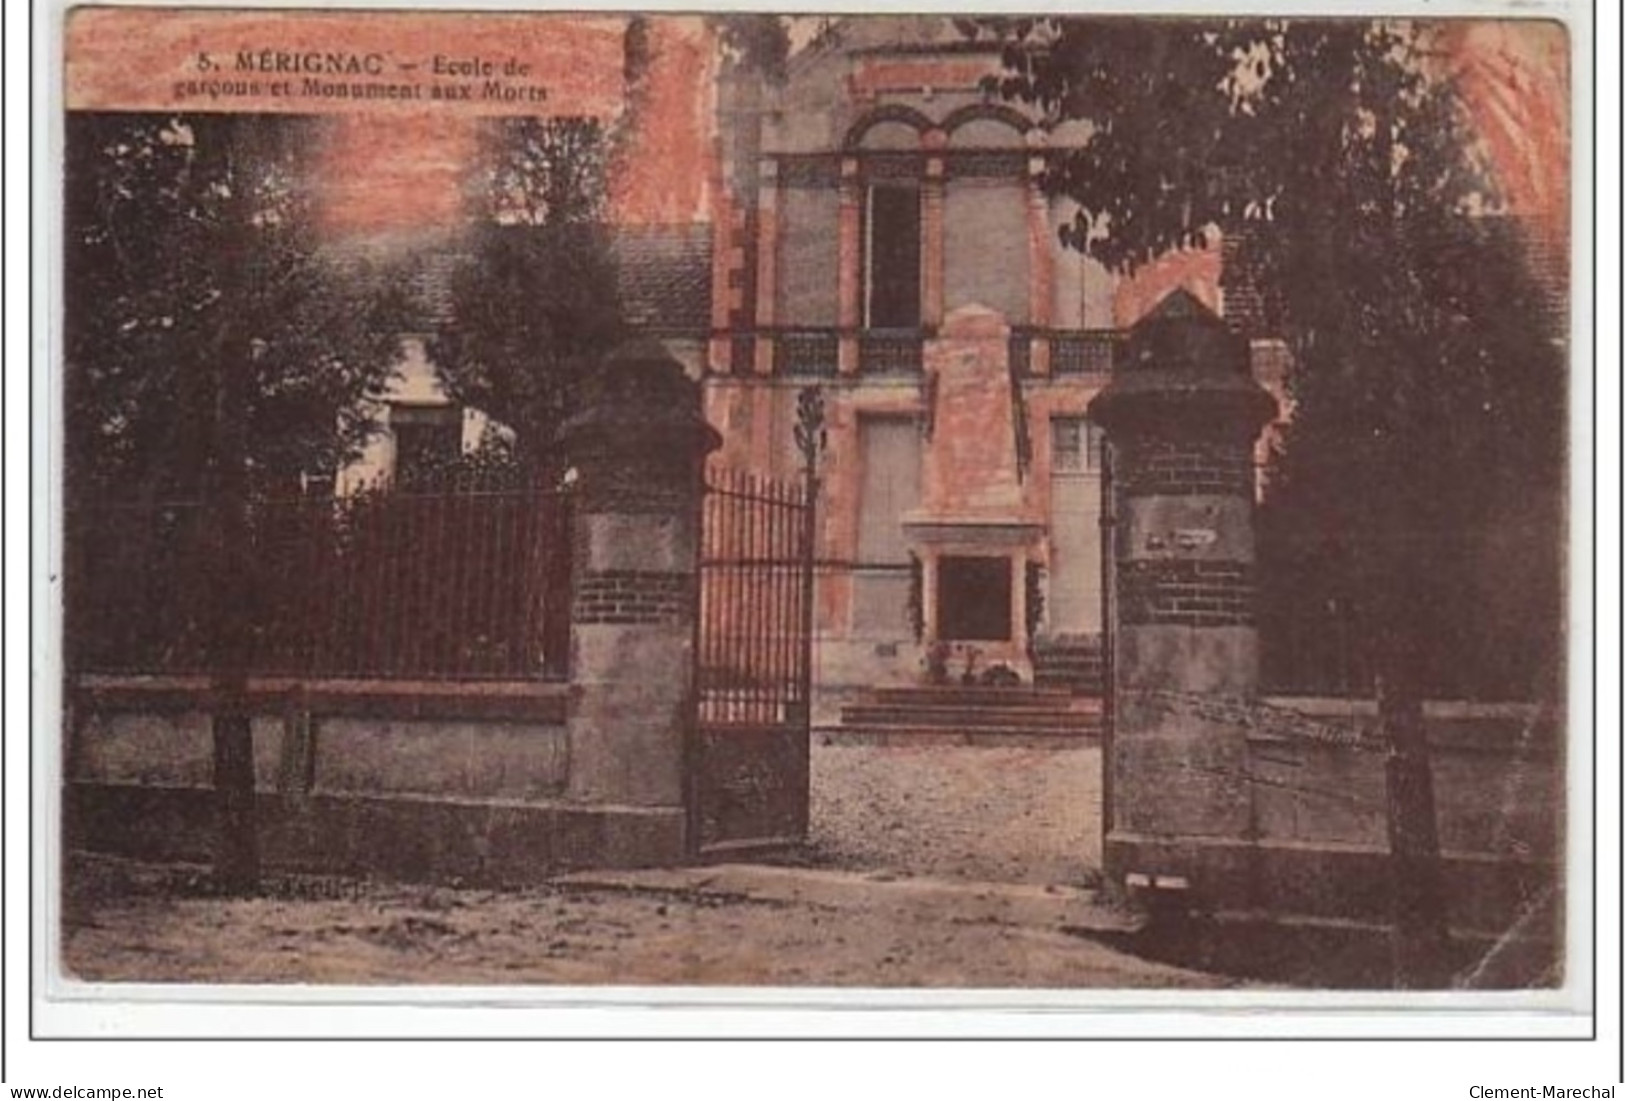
x: 533, y: 298
x: 213, y: 349
x: 1428, y: 386
x: 758, y: 42
x: 191, y: 240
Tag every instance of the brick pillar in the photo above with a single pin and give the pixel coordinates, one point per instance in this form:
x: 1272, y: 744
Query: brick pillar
x: 849, y: 251
x: 1182, y: 413
x: 638, y: 450
x: 1040, y: 267
x: 932, y: 201
x: 767, y: 266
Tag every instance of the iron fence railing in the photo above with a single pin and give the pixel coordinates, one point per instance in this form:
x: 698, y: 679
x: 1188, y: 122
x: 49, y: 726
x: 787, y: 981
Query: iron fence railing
x: 882, y: 351
x: 806, y: 352
x: 751, y: 658
x: 382, y: 584
x: 1091, y: 352
x: 814, y: 351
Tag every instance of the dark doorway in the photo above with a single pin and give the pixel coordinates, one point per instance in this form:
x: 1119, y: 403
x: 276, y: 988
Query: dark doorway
x: 973, y: 599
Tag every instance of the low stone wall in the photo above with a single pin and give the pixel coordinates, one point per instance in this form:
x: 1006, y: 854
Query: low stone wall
x: 407, y: 779
x: 1317, y: 808
x: 459, y: 780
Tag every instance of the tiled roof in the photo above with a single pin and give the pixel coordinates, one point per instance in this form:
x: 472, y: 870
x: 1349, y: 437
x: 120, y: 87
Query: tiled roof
x: 664, y: 274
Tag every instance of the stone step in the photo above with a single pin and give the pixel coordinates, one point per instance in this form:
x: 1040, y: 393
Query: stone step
x: 1066, y: 661
x: 927, y: 737
x: 969, y: 696
x: 1077, y: 667
x: 1083, y: 688
x: 1049, y: 678
x: 969, y: 717
x: 1046, y: 677
x: 1076, y: 649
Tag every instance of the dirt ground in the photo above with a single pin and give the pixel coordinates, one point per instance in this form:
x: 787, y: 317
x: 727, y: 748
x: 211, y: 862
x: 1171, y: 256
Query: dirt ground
x: 137, y: 923
x: 931, y: 868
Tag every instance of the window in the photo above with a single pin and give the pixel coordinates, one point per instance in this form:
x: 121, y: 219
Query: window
x: 986, y: 246
x: 1074, y: 445
x: 889, y: 450
x: 428, y: 443
x: 809, y: 258
x: 891, y: 268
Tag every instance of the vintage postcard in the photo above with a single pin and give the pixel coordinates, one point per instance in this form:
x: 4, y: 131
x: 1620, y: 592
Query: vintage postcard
x: 1062, y: 506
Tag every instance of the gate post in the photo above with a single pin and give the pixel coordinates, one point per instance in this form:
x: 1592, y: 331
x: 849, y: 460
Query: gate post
x: 1182, y: 414
x: 638, y: 449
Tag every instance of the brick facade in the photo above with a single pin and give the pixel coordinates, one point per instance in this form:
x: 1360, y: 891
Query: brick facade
x: 759, y: 270
x: 1170, y: 592
x: 1185, y: 467
x: 632, y: 596
x: 877, y: 108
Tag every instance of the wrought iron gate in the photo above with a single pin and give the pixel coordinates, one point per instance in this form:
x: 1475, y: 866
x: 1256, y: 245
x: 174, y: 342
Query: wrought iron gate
x: 748, y: 761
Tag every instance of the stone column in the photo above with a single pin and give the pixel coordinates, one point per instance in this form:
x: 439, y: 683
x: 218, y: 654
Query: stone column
x: 1018, y: 602
x: 928, y: 594
x: 638, y: 449
x: 1182, y: 413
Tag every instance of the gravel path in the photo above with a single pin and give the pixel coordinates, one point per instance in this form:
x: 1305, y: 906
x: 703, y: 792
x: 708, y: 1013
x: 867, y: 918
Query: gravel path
x: 1010, y: 815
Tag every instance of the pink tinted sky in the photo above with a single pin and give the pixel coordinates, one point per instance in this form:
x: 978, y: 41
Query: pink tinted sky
x: 406, y: 172
x: 399, y: 167
x: 1515, y: 78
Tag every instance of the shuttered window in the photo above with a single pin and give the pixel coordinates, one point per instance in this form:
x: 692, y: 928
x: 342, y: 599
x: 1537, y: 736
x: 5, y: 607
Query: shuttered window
x: 890, y: 449
x: 809, y: 270
x: 985, y: 247
x: 1074, y: 445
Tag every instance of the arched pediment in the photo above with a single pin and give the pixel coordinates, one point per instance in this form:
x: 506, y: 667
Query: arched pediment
x: 881, y: 128
x: 987, y: 125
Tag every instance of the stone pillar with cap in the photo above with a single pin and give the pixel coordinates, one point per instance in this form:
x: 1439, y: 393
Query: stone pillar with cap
x: 638, y: 449
x: 1182, y: 414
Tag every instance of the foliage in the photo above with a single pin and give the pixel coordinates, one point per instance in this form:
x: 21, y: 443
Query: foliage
x: 533, y: 299
x: 1426, y: 447
x: 1035, y: 589
x: 915, y: 604
x: 536, y: 172
x: 193, y: 249
x: 757, y: 41
x: 491, y: 466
